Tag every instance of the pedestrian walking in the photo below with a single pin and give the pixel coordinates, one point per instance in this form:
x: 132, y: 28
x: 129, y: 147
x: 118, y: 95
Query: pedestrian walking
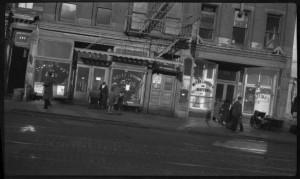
x: 237, y: 115
x: 48, y: 90
x: 225, y: 113
x: 111, y: 100
x: 217, y: 108
x: 119, y: 105
x: 103, y: 95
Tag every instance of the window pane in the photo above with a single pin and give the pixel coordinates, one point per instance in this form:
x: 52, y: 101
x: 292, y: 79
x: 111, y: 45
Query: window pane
x: 249, y: 100
x: 23, y: 5
x: 238, y: 35
x: 98, y: 78
x: 265, y: 78
x: 252, y: 78
x: 271, y: 40
x: 175, y: 12
x: 54, y: 49
x: 103, y: 16
x: 172, y: 26
x: 82, y: 79
x: 226, y: 75
x: 60, y: 72
x: 208, y: 8
x: 131, y: 82
x: 205, y: 33
x: 207, y: 21
x: 137, y: 21
x: 230, y: 92
x: 210, y: 68
x: 198, y: 70
x: 68, y: 11
x: 140, y: 7
x: 219, y: 92
x: 105, y: 5
x: 273, y: 23
x: 240, y: 21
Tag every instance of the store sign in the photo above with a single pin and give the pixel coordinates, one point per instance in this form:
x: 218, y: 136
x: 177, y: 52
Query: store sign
x: 156, y: 79
x: 262, y: 100
x: 39, y: 87
x: 60, y: 90
x: 202, y: 88
x: 22, y: 39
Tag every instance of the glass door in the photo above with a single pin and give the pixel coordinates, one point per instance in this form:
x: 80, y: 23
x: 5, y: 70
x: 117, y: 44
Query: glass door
x: 98, y: 78
x: 225, y: 91
x: 82, y: 83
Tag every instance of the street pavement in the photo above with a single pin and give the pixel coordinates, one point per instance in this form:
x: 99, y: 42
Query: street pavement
x: 128, y: 118
x: 45, y: 145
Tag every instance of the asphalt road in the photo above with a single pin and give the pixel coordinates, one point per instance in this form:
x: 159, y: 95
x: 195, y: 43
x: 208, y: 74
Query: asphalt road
x: 55, y: 146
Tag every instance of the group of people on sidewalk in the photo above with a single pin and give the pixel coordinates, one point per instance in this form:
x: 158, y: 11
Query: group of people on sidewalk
x: 112, y: 100
x: 229, y: 115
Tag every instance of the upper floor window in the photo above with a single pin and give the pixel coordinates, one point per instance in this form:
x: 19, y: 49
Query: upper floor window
x: 272, y: 31
x: 207, y: 22
x: 26, y: 5
x: 104, y: 12
x: 68, y: 11
x: 240, y: 26
x: 139, y: 11
x: 173, y: 25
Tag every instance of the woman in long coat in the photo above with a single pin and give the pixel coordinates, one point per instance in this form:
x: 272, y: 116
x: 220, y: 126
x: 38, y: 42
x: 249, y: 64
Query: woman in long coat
x: 48, y: 90
x: 103, y: 95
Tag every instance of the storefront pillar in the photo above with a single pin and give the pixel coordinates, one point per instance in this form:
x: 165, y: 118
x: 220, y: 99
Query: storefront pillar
x: 147, y: 91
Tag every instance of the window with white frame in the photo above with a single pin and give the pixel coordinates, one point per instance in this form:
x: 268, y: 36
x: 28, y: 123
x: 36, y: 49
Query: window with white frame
x: 272, y: 31
x: 25, y: 5
x: 207, y: 22
x: 104, y: 12
x: 240, y: 27
x: 68, y: 11
x: 173, y: 20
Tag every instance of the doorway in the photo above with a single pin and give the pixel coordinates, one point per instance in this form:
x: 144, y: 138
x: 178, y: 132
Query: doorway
x: 88, y: 79
x: 162, y: 94
x: 225, y: 91
x: 17, y: 71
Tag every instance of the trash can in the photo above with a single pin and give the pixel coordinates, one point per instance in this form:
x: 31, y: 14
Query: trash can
x: 18, y: 94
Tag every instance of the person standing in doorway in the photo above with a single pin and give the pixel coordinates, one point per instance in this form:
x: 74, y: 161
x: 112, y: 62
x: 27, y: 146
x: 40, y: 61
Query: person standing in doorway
x: 216, y: 114
x: 224, y: 113
x: 237, y: 115
x: 48, y: 90
x: 103, y: 95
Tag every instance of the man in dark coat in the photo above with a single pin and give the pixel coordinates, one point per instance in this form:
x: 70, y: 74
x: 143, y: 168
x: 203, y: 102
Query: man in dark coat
x: 103, y: 95
x: 237, y: 115
x: 48, y: 90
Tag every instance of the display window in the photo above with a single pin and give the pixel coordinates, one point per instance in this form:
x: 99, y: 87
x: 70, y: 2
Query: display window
x: 202, y: 86
x: 258, y: 90
x: 132, y: 84
x: 60, y: 76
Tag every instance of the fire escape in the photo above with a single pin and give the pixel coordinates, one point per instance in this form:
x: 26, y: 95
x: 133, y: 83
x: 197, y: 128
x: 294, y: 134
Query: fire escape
x: 161, y: 23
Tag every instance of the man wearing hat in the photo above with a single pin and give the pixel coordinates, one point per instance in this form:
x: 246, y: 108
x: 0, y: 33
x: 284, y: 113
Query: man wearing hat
x: 237, y: 115
x: 48, y: 90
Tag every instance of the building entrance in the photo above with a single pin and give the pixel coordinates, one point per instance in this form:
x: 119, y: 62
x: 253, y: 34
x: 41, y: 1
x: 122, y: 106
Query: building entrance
x: 17, y: 71
x: 225, y: 91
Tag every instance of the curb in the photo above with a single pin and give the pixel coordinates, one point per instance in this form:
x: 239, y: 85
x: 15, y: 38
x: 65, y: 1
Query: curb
x: 130, y: 124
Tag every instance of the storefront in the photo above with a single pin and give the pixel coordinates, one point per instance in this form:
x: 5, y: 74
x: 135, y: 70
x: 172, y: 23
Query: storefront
x: 92, y: 69
x: 51, y: 54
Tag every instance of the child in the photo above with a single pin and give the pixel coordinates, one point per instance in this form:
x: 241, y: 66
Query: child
x: 119, y: 102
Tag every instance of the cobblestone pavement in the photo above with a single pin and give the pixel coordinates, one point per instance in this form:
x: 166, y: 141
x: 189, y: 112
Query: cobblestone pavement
x: 49, y: 146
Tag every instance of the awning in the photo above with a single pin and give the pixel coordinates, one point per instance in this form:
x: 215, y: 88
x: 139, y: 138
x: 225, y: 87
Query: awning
x: 128, y: 56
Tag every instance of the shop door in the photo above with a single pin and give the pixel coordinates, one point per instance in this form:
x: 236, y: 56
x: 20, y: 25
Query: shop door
x: 162, y: 95
x: 225, y: 91
x: 82, y: 83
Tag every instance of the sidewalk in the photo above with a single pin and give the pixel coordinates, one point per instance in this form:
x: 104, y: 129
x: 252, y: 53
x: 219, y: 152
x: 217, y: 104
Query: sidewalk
x: 199, y: 126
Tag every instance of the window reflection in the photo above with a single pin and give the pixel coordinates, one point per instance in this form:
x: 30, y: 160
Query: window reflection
x: 68, y: 11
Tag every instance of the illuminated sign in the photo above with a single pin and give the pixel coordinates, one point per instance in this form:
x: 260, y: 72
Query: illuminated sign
x: 60, y: 90
x: 22, y: 39
x: 39, y: 88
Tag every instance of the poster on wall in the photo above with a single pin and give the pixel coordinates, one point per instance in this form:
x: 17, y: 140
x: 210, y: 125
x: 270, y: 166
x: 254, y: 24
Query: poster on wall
x: 262, y: 100
x: 201, y: 94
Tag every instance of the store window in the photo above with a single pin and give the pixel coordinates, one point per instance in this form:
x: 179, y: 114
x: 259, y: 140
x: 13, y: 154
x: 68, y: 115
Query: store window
x: 207, y: 22
x: 240, y: 26
x: 202, y: 86
x: 226, y: 75
x: 272, y: 31
x: 60, y: 75
x: 258, y: 90
x: 25, y: 5
x: 104, y: 13
x: 82, y: 79
x: 138, y: 15
x: 68, y: 12
x: 132, y: 83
